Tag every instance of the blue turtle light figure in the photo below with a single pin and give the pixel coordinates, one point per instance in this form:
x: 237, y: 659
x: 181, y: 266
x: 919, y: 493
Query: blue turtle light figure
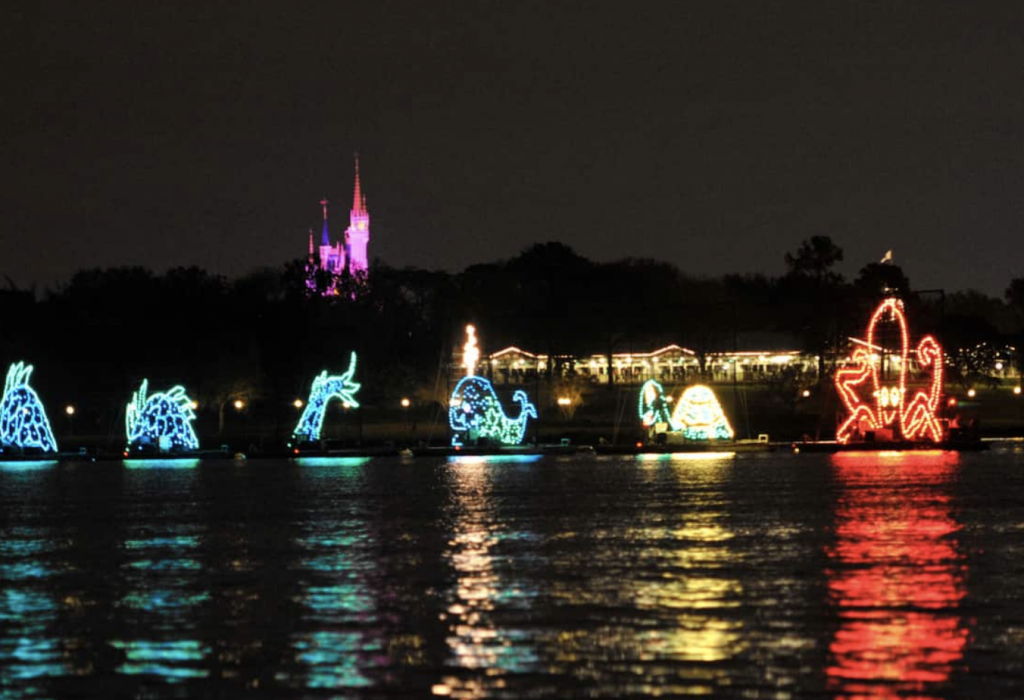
x: 475, y: 412
x: 324, y: 389
x: 162, y: 421
x: 23, y: 421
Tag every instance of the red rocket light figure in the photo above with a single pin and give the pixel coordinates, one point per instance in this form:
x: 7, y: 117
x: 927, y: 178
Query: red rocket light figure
x: 876, y: 403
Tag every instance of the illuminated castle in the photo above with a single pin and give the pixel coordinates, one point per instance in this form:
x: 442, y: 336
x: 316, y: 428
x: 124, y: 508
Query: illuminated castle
x: 349, y: 258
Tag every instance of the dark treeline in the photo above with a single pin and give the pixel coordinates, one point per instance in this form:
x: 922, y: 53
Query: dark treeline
x: 262, y: 337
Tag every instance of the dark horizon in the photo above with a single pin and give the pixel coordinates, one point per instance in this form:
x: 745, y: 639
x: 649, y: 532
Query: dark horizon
x: 712, y: 136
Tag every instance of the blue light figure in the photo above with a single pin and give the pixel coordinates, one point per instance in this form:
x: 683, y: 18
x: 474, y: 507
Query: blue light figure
x: 324, y: 389
x: 161, y: 422
x: 23, y: 422
x: 475, y: 413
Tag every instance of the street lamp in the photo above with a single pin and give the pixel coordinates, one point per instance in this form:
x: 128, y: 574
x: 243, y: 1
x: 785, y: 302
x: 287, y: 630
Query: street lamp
x: 971, y: 393
x: 239, y: 404
x: 70, y: 411
x: 297, y: 403
x: 405, y: 402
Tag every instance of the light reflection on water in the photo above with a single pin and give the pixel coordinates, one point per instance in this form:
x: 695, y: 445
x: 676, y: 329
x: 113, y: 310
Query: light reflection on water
x: 769, y: 576
x: 897, y: 575
x: 476, y: 639
x: 340, y: 642
x: 160, y: 568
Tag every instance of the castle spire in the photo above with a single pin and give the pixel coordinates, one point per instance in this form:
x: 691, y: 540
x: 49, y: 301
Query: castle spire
x: 325, y: 237
x: 358, y: 201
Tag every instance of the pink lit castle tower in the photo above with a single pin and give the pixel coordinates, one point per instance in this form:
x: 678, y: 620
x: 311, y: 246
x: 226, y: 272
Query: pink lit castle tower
x: 351, y: 258
x: 357, y: 235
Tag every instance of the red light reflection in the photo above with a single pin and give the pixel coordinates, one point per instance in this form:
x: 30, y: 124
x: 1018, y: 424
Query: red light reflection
x: 895, y: 575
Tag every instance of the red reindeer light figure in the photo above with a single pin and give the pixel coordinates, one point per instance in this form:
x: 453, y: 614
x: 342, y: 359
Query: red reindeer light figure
x: 876, y: 403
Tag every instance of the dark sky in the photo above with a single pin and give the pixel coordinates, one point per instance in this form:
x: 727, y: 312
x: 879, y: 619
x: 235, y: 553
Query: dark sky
x: 715, y: 136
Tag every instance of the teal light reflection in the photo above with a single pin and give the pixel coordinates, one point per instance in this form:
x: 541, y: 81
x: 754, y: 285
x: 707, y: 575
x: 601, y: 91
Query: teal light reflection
x: 494, y: 459
x: 179, y: 541
x: 331, y: 461
x: 334, y: 659
x: 190, y: 463
x: 26, y: 466
x: 167, y: 659
x: 158, y: 600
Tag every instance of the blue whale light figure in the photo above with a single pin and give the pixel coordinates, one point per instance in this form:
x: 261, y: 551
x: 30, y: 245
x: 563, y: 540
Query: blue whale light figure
x: 475, y: 413
x: 23, y: 422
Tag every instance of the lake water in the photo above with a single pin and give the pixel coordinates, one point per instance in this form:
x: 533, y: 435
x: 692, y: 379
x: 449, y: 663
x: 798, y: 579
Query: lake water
x: 755, y: 576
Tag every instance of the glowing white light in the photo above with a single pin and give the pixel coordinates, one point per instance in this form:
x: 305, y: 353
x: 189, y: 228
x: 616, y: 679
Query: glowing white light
x: 470, y: 351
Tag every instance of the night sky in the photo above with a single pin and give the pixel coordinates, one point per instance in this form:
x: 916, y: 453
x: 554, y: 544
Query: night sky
x: 715, y: 136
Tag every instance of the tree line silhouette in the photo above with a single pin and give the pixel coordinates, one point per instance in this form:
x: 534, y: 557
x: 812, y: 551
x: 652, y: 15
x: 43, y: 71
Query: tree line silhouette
x: 263, y: 336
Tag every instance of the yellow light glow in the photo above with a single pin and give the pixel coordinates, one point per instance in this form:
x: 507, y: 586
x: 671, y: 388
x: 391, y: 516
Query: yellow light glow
x: 470, y: 351
x: 972, y: 393
x: 405, y: 402
x: 239, y: 404
x: 564, y: 401
x: 1016, y: 390
x: 297, y: 403
x: 70, y: 410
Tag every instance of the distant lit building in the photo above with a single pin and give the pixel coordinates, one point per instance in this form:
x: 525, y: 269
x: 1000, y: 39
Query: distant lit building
x: 347, y: 254
x: 669, y: 364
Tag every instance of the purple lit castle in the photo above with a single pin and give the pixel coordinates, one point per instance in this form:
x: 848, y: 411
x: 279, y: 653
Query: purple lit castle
x: 350, y: 258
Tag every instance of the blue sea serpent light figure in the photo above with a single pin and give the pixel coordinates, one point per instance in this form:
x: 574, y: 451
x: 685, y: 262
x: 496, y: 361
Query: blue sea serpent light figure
x: 162, y: 421
x: 23, y: 421
x: 474, y: 411
x: 324, y: 389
